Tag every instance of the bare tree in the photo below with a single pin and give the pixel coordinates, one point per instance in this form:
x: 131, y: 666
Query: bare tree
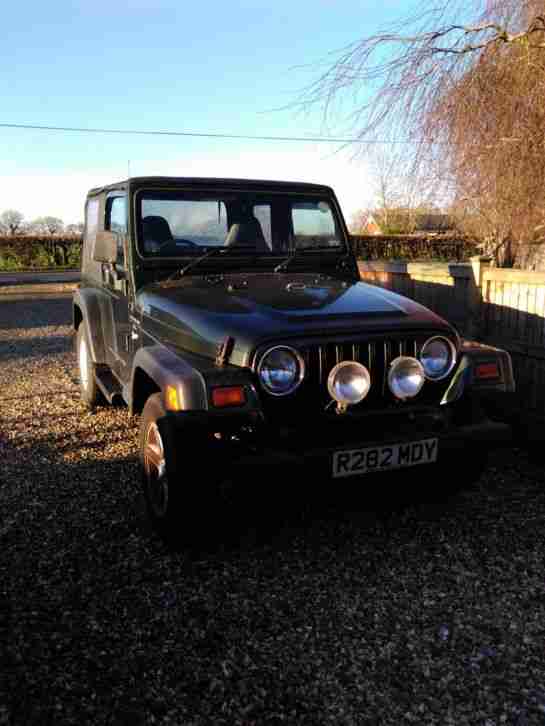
x: 358, y: 221
x: 401, y: 194
x: 465, y: 87
x: 396, y: 78
x: 495, y: 156
x: 48, y: 225
x: 11, y: 221
x: 76, y: 228
x: 388, y: 193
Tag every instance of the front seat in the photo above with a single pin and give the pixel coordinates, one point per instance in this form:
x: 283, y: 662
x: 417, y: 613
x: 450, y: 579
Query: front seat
x: 247, y: 233
x: 156, y: 233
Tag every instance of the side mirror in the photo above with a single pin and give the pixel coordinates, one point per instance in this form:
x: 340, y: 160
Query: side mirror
x: 105, y: 247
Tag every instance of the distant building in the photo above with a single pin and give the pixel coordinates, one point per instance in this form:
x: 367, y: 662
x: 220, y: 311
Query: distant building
x: 371, y: 226
x: 405, y: 221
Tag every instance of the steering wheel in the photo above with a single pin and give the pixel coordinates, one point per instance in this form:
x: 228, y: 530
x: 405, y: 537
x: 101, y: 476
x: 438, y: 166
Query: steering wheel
x: 181, y: 241
x: 170, y: 244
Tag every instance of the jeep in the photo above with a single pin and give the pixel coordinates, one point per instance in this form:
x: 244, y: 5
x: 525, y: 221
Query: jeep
x: 230, y: 315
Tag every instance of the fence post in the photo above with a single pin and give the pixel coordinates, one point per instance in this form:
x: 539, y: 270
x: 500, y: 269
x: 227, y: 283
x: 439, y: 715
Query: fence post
x: 479, y: 265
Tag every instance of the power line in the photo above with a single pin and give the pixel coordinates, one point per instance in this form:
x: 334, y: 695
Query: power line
x: 312, y: 139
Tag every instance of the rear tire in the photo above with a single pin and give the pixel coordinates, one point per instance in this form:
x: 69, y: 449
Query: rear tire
x: 90, y: 392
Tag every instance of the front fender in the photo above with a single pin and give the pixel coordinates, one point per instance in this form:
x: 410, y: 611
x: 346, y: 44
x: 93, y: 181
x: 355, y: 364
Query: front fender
x: 466, y: 376
x: 165, y: 368
x: 86, y: 302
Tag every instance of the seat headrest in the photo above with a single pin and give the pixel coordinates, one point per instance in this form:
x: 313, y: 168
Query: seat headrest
x: 247, y: 232
x: 157, y: 229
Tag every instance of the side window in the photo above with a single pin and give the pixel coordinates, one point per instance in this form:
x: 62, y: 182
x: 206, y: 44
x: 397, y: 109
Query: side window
x: 201, y: 222
x: 262, y: 212
x: 314, y: 225
x: 116, y: 221
x: 91, y: 227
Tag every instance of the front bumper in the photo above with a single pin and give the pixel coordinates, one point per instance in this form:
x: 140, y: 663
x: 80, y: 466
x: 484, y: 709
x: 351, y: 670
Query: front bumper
x: 253, y: 443
x: 466, y: 440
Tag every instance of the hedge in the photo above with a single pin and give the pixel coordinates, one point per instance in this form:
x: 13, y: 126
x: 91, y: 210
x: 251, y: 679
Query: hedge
x: 50, y: 251
x: 445, y: 248
x: 44, y: 251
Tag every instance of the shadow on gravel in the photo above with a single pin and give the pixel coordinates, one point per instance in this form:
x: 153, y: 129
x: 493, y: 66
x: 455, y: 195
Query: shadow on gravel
x: 309, y: 594
x: 265, y: 508
x: 24, y: 312
x: 276, y: 510
x: 34, y: 347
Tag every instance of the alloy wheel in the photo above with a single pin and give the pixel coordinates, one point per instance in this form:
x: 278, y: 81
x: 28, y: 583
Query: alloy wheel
x: 155, y: 471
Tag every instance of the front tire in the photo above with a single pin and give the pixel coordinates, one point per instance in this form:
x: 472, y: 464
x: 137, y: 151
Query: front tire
x: 90, y: 393
x: 176, y: 503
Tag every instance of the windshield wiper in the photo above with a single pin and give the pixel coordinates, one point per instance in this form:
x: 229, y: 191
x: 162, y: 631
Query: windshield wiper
x: 298, y: 251
x: 284, y: 264
x: 209, y: 253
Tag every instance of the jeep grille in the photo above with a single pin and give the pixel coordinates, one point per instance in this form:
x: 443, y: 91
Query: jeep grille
x: 376, y: 354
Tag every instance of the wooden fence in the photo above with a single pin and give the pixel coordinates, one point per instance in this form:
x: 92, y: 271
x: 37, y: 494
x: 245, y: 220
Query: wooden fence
x: 500, y: 307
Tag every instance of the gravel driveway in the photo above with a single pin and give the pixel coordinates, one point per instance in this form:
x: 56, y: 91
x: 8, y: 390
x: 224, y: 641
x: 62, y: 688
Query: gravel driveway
x: 318, y: 613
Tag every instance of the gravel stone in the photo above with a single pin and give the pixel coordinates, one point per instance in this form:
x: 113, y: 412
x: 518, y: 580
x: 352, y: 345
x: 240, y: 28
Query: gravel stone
x: 316, y: 603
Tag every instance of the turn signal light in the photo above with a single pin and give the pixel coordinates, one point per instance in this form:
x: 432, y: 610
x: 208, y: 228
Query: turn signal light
x: 171, y: 399
x: 228, y: 396
x: 487, y: 371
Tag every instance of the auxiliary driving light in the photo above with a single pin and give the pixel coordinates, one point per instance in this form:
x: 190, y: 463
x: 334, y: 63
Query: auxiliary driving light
x: 348, y: 383
x: 406, y: 377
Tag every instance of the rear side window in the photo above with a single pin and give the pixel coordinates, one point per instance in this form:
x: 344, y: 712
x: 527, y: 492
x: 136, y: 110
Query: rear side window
x: 91, y: 221
x: 91, y: 227
x: 116, y: 221
x: 116, y: 216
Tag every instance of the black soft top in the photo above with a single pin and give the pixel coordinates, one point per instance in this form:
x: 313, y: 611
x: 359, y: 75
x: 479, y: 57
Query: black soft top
x: 136, y: 182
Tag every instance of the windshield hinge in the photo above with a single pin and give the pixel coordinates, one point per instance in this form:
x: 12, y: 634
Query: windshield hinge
x: 225, y: 349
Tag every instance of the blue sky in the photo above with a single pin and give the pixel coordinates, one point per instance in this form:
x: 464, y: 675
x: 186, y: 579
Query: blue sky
x: 171, y: 65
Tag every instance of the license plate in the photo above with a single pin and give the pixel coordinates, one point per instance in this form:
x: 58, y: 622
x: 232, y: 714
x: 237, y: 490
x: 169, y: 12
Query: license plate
x: 381, y: 458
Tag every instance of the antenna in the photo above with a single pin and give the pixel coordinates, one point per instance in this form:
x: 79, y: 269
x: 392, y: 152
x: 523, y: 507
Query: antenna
x: 129, y: 168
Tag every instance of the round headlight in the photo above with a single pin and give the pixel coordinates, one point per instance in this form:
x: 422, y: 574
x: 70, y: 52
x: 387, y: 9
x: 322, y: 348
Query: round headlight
x: 349, y: 382
x: 438, y: 357
x: 406, y: 377
x: 281, y: 370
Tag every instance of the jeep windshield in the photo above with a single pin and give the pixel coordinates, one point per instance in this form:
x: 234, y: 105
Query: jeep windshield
x: 182, y: 224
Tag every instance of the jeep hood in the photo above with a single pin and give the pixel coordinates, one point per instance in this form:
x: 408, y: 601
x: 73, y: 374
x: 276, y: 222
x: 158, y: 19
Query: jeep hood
x: 197, y: 313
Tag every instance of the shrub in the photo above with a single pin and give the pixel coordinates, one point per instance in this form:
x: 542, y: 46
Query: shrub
x: 9, y: 262
x: 440, y: 248
x: 32, y: 251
